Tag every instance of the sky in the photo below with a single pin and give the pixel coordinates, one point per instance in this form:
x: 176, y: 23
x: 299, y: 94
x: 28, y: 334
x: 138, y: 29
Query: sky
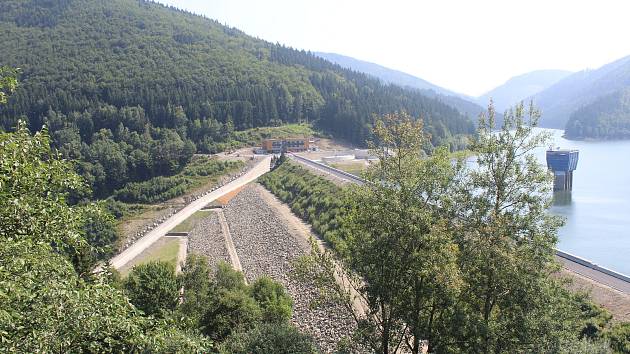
x: 463, y: 45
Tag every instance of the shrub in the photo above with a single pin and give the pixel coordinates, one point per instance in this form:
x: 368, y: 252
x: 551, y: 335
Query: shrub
x: 153, y: 287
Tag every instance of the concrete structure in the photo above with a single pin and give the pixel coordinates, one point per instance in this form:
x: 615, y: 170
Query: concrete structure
x: 562, y: 163
x: 276, y: 146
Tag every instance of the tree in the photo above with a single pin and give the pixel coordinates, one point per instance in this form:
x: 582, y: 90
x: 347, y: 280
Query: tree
x: 153, y: 288
x: 507, y: 240
x: 269, y: 338
x: 274, y: 301
x: 400, y: 259
x: 195, y: 280
x: 8, y: 83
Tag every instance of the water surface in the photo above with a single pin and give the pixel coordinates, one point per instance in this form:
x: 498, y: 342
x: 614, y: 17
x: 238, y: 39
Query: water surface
x: 597, y: 211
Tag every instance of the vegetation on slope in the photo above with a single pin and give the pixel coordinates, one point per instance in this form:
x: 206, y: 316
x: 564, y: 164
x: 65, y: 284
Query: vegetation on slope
x: 608, y: 117
x: 199, y: 171
x: 132, y: 89
x: 53, y: 302
x: 416, y: 238
x: 315, y: 199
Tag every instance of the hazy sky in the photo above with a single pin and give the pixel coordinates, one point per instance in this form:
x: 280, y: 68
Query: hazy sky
x: 463, y: 45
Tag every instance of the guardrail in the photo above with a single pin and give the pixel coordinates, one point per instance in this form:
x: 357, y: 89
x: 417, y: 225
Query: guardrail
x: 590, y: 264
x: 332, y: 170
x: 559, y: 253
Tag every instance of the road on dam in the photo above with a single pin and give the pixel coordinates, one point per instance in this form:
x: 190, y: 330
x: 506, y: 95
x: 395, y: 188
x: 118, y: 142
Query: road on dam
x: 152, y: 236
x: 582, y: 267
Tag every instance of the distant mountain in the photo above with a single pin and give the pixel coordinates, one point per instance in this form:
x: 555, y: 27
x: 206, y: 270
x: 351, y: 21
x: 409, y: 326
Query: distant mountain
x: 608, y: 117
x: 521, y: 87
x: 575, y: 91
x: 462, y: 103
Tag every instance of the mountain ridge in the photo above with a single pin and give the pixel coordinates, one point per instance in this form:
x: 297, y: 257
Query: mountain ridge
x: 520, y: 87
x: 465, y: 104
x: 563, y: 98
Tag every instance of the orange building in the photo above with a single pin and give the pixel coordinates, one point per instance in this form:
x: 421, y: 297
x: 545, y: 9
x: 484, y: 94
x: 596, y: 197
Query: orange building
x: 276, y: 146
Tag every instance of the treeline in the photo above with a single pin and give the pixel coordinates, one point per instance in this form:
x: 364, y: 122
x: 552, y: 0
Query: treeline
x: 132, y: 88
x: 608, y: 117
x: 161, y: 188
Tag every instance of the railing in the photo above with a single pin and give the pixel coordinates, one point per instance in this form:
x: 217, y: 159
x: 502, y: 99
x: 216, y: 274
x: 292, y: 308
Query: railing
x: 559, y: 253
x: 347, y: 175
x: 589, y: 264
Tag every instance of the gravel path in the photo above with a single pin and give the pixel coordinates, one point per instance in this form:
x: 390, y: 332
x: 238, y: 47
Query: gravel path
x: 206, y: 239
x: 266, y: 246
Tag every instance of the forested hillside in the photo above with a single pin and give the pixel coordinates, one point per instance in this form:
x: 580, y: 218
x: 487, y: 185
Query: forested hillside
x: 608, y: 117
x: 133, y: 88
x: 560, y: 100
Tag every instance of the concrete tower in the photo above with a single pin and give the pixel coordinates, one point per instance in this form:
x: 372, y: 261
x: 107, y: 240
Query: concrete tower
x: 562, y: 163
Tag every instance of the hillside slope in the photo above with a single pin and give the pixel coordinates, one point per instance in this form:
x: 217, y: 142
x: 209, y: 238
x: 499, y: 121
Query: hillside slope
x: 462, y: 103
x: 560, y: 100
x: 133, y: 88
x: 520, y: 87
x: 608, y: 117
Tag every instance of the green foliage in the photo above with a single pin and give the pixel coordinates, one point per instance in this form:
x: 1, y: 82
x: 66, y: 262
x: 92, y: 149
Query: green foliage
x: 156, y: 189
x: 400, y: 241
x: 133, y: 88
x: 313, y: 198
x: 460, y: 257
x: 269, y: 338
x: 45, y: 306
x: 153, y: 288
x: 195, y: 280
x: 276, y: 305
x: 8, y: 83
x: 159, y: 189
x: 230, y: 311
x: 585, y: 346
x: 507, y: 242
x: 619, y: 337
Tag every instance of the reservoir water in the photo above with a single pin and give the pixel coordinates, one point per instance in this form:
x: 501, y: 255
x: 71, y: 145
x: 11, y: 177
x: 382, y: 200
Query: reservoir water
x: 597, y: 211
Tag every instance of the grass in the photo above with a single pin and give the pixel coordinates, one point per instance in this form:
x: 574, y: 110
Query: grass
x: 165, y: 250
x: 353, y: 167
x: 188, y: 224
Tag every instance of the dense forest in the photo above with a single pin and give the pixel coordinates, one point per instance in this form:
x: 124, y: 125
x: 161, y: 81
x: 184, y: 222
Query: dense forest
x: 608, y: 117
x: 132, y: 89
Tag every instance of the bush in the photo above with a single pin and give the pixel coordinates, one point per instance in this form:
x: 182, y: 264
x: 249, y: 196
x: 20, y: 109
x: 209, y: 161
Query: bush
x: 269, y: 338
x: 275, y: 303
x: 153, y: 288
x: 156, y: 189
x: 229, y: 311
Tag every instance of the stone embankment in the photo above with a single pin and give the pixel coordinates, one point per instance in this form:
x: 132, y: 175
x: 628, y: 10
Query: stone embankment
x: 173, y: 209
x: 265, y: 246
x: 206, y: 239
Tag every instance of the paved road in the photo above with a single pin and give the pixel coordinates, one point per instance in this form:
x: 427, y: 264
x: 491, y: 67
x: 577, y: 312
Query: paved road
x: 328, y: 170
x: 147, y: 240
x: 593, y: 274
